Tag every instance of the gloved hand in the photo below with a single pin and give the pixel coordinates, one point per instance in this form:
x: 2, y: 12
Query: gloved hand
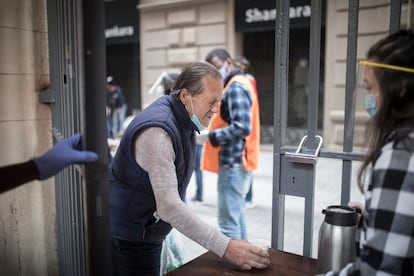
x: 202, y: 137
x: 63, y: 154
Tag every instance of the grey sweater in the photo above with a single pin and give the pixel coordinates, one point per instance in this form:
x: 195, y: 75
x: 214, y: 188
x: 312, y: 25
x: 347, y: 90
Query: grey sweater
x: 155, y: 154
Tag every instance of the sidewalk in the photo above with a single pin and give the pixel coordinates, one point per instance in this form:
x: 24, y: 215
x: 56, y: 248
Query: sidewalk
x: 259, y: 218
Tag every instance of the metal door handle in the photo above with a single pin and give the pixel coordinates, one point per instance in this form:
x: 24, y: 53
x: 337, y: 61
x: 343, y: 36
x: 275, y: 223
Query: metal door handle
x: 299, y: 157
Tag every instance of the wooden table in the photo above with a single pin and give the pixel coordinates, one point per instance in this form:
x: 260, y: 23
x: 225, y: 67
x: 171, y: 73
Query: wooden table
x: 281, y: 263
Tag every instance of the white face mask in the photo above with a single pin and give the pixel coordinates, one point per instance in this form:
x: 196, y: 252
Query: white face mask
x: 194, y: 117
x: 223, y: 70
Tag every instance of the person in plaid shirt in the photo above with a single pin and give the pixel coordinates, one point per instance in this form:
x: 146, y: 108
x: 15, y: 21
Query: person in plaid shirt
x: 232, y: 144
x: 387, y: 236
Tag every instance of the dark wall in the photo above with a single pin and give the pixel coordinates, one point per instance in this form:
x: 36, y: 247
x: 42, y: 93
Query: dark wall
x: 122, y: 48
x: 122, y: 62
x: 259, y: 48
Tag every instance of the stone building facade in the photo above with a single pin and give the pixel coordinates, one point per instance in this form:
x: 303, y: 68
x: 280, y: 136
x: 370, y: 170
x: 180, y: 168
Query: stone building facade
x: 177, y: 32
x: 174, y: 33
x: 27, y: 225
x: 373, y: 25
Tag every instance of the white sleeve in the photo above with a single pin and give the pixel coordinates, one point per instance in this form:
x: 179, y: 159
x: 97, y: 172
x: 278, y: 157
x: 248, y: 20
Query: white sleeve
x: 155, y: 154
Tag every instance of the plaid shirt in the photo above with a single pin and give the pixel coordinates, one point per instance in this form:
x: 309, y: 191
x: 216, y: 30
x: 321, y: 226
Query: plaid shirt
x: 234, y: 109
x: 387, y: 237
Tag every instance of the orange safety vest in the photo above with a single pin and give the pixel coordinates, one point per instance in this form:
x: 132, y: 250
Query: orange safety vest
x: 210, y: 159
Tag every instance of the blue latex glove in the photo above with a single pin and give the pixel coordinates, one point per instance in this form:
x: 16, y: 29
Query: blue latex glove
x: 63, y: 154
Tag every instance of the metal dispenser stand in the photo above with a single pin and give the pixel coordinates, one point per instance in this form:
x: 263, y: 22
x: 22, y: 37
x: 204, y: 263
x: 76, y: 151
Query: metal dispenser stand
x: 298, y: 179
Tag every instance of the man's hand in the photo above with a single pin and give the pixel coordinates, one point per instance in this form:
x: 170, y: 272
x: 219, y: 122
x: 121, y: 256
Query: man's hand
x: 247, y: 255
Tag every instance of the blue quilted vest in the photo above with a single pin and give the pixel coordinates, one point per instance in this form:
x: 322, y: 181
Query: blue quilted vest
x: 132, y: 202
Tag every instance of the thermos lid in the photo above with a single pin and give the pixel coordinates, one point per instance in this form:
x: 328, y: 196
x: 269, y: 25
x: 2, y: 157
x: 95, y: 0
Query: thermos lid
x: 340, y: 215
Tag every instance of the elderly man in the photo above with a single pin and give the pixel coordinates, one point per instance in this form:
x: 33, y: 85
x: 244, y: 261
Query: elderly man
x: 150, y: 173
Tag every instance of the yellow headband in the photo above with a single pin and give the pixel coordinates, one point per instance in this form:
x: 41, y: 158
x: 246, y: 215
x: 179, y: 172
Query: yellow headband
x: 387, y: 66
x: 239, y: 64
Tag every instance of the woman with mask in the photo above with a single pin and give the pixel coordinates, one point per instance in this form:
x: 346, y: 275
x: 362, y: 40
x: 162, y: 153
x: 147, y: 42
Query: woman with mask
x: 150, y: 173
x: 387, y: 174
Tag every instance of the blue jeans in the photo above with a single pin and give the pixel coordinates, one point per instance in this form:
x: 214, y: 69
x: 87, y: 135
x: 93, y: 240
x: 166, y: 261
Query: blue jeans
x: 249, y: 196
x: 232, y: 186
x: 118, y: 118
x: 199, y: 173
x: 135, y: 258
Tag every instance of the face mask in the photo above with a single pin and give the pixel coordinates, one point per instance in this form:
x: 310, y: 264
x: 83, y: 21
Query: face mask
x: 371, y: 105
x: 194, y: 117
x: 223, y: 70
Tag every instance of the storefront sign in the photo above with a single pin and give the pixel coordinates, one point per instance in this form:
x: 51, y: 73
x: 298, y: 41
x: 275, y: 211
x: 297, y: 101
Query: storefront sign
x: 115, y: 31
x: 261, y: 15
x: 121, y: 22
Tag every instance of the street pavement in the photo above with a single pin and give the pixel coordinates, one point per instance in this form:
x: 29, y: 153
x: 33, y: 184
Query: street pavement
x: 258, y: 218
